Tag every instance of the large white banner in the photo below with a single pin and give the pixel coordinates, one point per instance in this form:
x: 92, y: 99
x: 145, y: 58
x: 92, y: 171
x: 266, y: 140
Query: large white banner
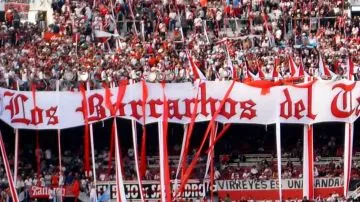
x: 321, y: 101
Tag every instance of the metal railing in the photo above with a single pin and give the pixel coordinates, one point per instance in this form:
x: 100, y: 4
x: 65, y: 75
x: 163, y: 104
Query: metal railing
x: 234, y: 24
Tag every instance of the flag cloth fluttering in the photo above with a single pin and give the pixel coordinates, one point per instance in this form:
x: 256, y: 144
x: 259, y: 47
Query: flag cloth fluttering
x: 195, y: 70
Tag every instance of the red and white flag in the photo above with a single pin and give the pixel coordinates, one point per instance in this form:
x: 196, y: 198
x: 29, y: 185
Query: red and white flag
x: 196, y: 71
x: 301, y: 72
x: 292, y: 66
x: 261, y: 73
x: 324, y: 70
x: 253, y: 76
x: 350, y: 69
x: 275, y: 73
x: 248, y: 74
x: 229, y: 62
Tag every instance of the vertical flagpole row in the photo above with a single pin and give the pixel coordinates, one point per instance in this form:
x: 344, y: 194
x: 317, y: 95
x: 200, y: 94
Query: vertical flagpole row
x: 278, y: 152
x: 162, y: 161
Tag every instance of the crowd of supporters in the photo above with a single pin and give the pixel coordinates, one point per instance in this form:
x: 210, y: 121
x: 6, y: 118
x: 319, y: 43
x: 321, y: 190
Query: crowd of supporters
x: 105, y: 41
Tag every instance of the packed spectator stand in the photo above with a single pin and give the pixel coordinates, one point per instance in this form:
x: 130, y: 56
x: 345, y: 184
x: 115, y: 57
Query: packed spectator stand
x: 105, y: 41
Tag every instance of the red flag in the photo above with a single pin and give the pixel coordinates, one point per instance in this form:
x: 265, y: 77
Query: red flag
x: 108, y: 95
x: 336, y: 66
x: 143, y: 161
x: 301, y: 71
x: 120, y: 96
x: 86, y: 131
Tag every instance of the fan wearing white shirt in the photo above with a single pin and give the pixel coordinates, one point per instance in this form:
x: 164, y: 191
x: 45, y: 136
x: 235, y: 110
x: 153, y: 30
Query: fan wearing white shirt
x: 254, y: 171
x: 246, y: 175
x: 217, y: 174
x: 93, y: 195
x: 28, y: 182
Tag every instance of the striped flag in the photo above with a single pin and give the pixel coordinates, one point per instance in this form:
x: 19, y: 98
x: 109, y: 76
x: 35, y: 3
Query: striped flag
x: 13, y: 192
x: 261, y: 73
x: 301, y: 71
x: 229, y: 62
x: 275, y: 73
x: 350, y: 69
x: 324, y: 70
x: 196, y: 71
x: 293, y: 67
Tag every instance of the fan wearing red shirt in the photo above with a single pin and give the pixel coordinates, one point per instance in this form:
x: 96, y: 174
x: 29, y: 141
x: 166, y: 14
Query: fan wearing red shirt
x: 55, y: 180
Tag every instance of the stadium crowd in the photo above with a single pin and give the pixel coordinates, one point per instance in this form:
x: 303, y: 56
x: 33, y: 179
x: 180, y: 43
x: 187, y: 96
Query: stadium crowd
x: 105, y: 41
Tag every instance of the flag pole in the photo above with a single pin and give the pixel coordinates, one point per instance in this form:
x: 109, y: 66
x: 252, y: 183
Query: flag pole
x: 348, y: 144
x: 16, y: 157
x: 211, y: 140
x: 92, y: 142
x: 162, y: 160
x: 278, y: 153
x: 60, y: 160
x: 181, y: 153
x: 12, y: 187
x: 119, y: 179
x: 134, y: 137
x: 59, y: 142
